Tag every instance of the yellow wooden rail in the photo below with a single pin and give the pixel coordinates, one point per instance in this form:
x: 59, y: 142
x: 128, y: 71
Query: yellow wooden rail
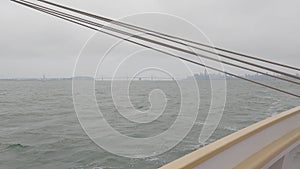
x: 199, y: 156
x: 261, y: 158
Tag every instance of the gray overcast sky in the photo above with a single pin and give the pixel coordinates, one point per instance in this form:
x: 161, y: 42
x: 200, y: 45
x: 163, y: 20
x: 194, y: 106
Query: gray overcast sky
x: 33, y: 44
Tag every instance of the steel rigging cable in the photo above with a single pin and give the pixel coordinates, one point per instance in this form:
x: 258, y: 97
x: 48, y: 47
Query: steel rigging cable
x: 163, y: 36
x: 74, y: 20
x: 187, y: 51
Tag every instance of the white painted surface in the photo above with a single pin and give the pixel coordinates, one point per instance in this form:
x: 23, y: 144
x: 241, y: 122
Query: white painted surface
x: 283, y: 159
x: 231, y: 157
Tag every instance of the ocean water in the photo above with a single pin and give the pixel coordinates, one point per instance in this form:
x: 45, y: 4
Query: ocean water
x: 39, y: 126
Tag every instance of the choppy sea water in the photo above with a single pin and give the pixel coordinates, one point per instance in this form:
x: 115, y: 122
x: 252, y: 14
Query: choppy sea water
x: 39, y: 127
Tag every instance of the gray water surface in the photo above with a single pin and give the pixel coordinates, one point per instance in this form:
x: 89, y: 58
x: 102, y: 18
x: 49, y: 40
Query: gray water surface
x: 39, y: 127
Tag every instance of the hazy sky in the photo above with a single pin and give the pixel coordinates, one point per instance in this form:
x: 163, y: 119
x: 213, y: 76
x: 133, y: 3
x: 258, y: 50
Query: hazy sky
x: 33, y: 44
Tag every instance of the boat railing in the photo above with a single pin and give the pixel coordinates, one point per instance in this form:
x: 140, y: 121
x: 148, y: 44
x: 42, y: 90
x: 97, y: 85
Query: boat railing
x: 273, y: 143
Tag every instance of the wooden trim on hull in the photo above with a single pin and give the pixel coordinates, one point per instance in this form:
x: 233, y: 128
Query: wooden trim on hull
x: 261, y: 158
x: 201, y: 155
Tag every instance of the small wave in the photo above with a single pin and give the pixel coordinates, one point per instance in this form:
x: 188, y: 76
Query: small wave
x: 193, y: 147
x: 199, y: 123
x: 231, y: 128
x: 152, y: 159
x: 16, y: 146
x: 140, y: 107
x: 274, y: 108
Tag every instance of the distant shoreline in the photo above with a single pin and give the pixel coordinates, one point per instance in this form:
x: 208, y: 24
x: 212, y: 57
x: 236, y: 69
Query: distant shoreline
x: 144, y: 80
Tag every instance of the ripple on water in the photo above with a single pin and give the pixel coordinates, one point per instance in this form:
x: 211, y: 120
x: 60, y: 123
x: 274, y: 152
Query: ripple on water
x: 39, y: 128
